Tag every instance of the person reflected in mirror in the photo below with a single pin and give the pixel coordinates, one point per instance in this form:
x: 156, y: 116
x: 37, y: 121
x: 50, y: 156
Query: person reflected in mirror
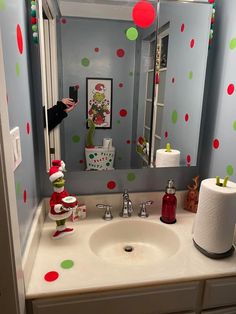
x: 59, y: 112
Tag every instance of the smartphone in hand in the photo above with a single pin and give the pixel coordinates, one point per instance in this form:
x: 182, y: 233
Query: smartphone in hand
x: 73, y: 93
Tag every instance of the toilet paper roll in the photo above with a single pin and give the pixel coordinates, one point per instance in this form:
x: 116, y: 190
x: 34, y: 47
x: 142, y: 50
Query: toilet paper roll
x: 107, y: 142
x: 216, y: 216
x: 167, y: 159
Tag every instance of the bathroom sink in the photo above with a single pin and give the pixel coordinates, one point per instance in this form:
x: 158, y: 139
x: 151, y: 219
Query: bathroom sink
x: 134, y: 242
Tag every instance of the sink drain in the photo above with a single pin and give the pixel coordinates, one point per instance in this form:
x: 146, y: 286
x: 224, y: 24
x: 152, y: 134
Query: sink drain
x: 128, y: 248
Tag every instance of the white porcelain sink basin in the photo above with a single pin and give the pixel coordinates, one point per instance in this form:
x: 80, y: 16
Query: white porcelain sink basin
x: 132, y: 242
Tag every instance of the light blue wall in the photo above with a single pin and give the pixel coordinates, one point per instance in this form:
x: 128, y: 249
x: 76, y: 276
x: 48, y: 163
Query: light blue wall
x: 79, y: 38
x: 13, y: 13
x: 220, y: 115
x: 187, y: 66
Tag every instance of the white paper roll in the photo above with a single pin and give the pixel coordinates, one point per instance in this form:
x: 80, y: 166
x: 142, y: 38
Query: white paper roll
x: 167, y: 159
x: 216, y: 216
x: 107, y: 142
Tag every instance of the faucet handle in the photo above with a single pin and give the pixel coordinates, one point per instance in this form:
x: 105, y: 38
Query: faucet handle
x: 143, y: 210
x: 107, y: 214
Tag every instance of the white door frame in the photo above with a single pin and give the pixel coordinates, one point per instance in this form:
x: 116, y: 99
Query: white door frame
x: 12, y: 294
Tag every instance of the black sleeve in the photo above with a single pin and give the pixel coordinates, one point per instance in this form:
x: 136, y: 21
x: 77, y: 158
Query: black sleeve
x: 55, y: 115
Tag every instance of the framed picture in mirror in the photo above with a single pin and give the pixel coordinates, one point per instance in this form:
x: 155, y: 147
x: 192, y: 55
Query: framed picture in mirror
x: 99, y: 102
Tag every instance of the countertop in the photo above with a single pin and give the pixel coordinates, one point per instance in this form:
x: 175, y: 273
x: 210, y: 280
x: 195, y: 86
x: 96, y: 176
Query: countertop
x: 90, y: 273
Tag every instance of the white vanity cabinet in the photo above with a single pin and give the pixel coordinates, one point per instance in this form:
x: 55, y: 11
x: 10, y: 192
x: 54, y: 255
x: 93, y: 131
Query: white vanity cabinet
x: 220, y: 292
x: 170, y: 298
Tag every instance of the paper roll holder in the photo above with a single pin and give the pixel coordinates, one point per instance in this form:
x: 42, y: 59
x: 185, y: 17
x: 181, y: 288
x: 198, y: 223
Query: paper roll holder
x: 215, y: 255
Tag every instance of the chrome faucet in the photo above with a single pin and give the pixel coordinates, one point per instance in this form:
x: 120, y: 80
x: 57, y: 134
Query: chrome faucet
x: 127, y: 207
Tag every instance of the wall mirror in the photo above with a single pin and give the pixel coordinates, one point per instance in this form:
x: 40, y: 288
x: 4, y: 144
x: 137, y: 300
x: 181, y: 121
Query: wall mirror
x: 139, y: 86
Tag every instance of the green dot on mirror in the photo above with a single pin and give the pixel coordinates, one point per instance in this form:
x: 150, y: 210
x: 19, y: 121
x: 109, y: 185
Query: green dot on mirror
x: 234, y: 125
x: 232, y: 44
x: 174, y: 116
x: 75, y: 138
x: 132, y: 33
x: 85, y: 62
x: 131, y: 176
x: 18, y: 189
x: 230, y: 170
x: 17, y: 69
x: 190, y: 75
x: 2, y: 5
x: 118, y: 121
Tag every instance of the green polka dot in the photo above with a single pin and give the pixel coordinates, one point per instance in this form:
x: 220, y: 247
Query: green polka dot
x: 18, y: 189
x: 107, y: 164
x: 230, y: 170
x: 131, y: 176
x: 2, y: 5
x: 232, y: 44
x: 132, y: 33
x: 85, y: 62
x: 118, y: 121
x: 91, y: 156
x: 34, y: 28
x: 17, y: 69
x: 76, y: 138
x: 234, y: 125
x: 190, y: 75
x: 67, y: 264
x: 174, y: 116
x: 131, y: 73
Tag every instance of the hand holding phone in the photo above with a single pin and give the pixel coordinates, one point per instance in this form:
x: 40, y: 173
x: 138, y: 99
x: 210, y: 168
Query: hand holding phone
x: 73, y: 93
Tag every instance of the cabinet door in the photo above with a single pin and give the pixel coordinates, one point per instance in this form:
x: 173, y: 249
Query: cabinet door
x: 175, y: 298
x: 220, y: 292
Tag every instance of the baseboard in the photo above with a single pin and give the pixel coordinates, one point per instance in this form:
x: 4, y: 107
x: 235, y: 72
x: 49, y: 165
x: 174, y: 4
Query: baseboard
x: 33, y: 242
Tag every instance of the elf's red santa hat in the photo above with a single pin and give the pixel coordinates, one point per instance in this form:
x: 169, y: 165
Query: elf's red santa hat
x: 60, y: 164
x: 99, y: 88
x: 55, y: 173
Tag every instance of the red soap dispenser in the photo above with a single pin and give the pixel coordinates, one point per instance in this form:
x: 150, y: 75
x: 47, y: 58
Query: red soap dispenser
x: 169, y: 203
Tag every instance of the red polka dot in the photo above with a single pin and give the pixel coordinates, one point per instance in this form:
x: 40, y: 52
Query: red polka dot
x: 143, y: 14
x: 96, y: 49
x: 121, y: 85
x: 188, y: 159
x: 19, y: 39
x: 230, y: 89
x: 25, y: 196
x: 51, y: 276
x: 216, y: 143
x: 63, y: 21
x: 211, y: 1
x: 81, y: 161
x: 192, y: 43
x: 182, y: 28
x: 212, y: 20
x: 186, y: 117
x: 123, y: 112
x: 77, y: 86
x: 128, y: 142
x: 173, y: 80
x: 33, y: 20
x: 120, y: 53
x: 166, y: 134
x: 28, y: 128
x: 111, y: 185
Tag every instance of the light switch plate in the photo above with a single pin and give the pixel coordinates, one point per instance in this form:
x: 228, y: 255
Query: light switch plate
x: 16, y: 147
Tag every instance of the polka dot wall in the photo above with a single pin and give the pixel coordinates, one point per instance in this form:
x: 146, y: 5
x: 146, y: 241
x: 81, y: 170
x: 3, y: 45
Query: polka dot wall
x: 186, y: 72
x: 14, y: 35
x: 220, y: 130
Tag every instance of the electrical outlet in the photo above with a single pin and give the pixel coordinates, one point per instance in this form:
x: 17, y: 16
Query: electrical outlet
x: 16, y: 147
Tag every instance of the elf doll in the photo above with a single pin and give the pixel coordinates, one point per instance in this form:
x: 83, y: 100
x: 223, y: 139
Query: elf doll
x: 58, y: 211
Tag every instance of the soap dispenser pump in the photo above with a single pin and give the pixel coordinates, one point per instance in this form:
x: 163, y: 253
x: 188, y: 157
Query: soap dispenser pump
x: 169, y: 203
